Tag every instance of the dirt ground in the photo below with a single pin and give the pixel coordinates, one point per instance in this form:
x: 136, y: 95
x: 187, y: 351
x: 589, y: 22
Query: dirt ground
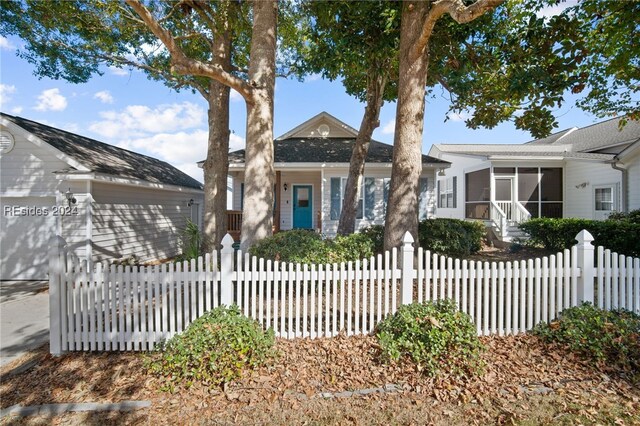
x: 337, y: 381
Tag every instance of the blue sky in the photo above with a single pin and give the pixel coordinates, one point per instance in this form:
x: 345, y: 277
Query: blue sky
x: 123, y: 108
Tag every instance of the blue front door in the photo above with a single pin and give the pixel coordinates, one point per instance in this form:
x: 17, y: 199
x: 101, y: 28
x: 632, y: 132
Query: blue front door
x: 302, y: 206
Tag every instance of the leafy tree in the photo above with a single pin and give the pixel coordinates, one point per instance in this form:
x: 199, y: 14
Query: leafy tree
x: 207, y: 47
x: 358, y: 42
x: 501, y: 64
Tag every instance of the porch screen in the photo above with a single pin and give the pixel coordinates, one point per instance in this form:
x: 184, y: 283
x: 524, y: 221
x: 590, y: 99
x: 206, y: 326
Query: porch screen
x: 477, y: 194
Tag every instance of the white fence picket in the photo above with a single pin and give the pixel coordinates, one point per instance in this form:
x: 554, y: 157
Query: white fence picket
x: 109, y: 307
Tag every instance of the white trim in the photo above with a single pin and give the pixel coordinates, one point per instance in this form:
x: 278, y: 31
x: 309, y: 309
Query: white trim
x: 313, y: 219
x: 323, y: 115
x: 28, y: 193
x: 43, y: 144
x: 317, y: 165
x: 89, y: 223
x: 126, y: 182
x: 614, y: 198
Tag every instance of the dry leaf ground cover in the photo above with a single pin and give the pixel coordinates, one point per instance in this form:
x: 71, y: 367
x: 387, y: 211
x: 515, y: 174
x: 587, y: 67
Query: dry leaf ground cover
x: 525, y: 382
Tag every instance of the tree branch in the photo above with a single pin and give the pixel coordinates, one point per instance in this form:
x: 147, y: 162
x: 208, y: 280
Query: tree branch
x: 184, y: 65
x: 457, y: 10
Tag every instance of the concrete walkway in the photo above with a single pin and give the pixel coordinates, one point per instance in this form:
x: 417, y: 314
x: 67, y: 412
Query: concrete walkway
x: 24, y: 318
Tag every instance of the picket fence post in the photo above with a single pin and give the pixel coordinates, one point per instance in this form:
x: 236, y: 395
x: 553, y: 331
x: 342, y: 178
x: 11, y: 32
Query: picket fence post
x: 226, y: 271
x: 56, y: 245
x: 406, y: 266
x: 585, y: 263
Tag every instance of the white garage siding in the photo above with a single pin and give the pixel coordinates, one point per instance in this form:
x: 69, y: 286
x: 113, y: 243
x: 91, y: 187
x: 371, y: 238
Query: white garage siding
x: 24, y: 239
x: 145, y: 222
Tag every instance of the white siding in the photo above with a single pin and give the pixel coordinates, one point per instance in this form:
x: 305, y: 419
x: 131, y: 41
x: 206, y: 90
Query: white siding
x: 580, y: 179
x: 28, y: 169
x: 140, y: 221
x: 459, y: 165
x: 330, y: 227
x: 633, y: 167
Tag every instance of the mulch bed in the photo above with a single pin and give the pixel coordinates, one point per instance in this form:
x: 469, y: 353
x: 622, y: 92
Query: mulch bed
x: 525, y: 379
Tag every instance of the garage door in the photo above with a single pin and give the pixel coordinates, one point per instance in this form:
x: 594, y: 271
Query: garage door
x: 25, y: 229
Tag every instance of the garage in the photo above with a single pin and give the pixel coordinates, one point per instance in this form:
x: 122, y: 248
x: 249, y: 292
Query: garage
x: 26, y: 225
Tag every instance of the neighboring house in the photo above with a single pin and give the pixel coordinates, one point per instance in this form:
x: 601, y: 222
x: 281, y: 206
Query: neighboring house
x: 312, y: 163
x: 106, y: 202
x: 580, y: 172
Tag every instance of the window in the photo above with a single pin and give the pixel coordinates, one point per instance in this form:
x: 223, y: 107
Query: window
x: 604, y: 199
x: 477, y: 194
x: 366, y: 201
x: 447, y: 193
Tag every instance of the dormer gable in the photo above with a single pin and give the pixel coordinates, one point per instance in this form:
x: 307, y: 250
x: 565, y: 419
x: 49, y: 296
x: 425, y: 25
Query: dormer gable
x: 323, y: 125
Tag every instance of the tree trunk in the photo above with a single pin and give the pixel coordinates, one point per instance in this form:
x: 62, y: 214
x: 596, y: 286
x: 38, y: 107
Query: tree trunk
x: 370, y: 121
x: 216, y: 165
x: 257, y: 214
x: 402, y: 210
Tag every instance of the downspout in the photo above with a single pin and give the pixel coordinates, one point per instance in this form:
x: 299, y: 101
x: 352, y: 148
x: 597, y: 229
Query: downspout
x: 625, y: 183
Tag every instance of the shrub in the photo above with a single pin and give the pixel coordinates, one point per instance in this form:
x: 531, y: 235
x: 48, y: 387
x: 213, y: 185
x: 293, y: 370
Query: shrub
x: 557, y: 234
x: 611, y: 337
x: 297, y: 245
x: 633, y: 216
x: 190, y: 241
x: 375, y: 234
x: 303, y: 246
x: 451, y: 236
x: 216, y: 348
x: 435, y: 336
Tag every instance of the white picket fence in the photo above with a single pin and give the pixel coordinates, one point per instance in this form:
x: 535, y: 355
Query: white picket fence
x: 122, y: 308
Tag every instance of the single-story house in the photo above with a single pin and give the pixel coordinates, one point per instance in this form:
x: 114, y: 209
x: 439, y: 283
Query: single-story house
x: 107, y: 202
x: 312, y: 164
x: 584, y: 172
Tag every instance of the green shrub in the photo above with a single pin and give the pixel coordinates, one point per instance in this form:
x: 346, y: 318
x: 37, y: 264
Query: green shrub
x: 190, y: 241
x: 633, y: 216
x: 620, y: 236
x: 611, y: 337
x: 435, y: 336
x: 216, y: 348
x: 375, y: 233
x: 297, y: 245
x: 451, y: 236
x: 303, y: 246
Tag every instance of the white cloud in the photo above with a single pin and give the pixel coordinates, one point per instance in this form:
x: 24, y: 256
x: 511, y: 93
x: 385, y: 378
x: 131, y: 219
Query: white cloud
x: 16, y: 110
x: 461, y: 116
x: 51, y: 100
x: 104, y: 96
x: 389, y: 128
x: 139, y: 121
x: 313, y: 77
x: 6, y: 44
x: 235, y: 96
x: 5, y: 91
x: 236, y: 142
x: 557, y: 9
x: 120, y: 72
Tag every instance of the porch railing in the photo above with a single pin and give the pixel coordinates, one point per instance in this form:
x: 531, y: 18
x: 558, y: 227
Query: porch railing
x: 234, y: 223
x: 521, y: 213
x: 499, y: 218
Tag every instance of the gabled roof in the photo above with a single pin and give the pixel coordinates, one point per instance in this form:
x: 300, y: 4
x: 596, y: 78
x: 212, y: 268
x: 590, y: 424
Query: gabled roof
x: 600, y: 141
x: 309, y: 128
x: 99, y: 157
x: 326, y: 150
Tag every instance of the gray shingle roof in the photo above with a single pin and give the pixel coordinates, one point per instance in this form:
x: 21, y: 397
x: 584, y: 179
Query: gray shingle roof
x: 326, y: 150
x: 100, y: 157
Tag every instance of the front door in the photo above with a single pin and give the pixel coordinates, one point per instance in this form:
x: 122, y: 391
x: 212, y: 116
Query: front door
x: 504, y: 195
x: 302, y: 206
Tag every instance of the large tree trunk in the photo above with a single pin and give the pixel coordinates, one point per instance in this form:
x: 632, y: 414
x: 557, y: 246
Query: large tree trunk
x: 216, y: 165
x: 257, y: 214
x: 402, y: 210
x: 370, y: 121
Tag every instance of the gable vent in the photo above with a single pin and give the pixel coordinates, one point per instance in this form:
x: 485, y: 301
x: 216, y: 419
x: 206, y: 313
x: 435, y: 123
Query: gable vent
x: 6, y: 142
x: 323, y: 129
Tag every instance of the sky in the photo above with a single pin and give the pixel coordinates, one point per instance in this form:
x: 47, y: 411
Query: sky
x: 124, y: 108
